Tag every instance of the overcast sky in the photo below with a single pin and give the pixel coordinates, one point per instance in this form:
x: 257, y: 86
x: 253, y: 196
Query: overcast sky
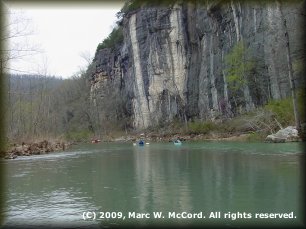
x: 62, y: 34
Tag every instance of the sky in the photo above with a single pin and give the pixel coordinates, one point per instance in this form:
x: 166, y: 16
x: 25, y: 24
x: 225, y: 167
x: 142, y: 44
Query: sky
x: 61, y: 35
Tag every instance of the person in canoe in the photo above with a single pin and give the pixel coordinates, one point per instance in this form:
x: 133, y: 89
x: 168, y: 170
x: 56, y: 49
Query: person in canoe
x: 95, y: 140
x: 141, y: 142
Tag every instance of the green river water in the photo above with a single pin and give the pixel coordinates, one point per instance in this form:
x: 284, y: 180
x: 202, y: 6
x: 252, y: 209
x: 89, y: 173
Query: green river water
x: 200, y: 183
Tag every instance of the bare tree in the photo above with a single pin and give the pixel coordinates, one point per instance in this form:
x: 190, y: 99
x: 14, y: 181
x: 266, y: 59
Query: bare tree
x: 15, y: 33
x: 87, y: 57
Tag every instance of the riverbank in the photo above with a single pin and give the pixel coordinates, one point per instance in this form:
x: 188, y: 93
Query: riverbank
x: 45, y: 146
x: 34, y: 148
x: 288, y: 134
x: 48, y: 146
x: 154, y: 137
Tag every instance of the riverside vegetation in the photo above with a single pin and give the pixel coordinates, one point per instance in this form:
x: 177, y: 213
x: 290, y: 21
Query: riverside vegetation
x: 57, y: 111
x: 243, y: 85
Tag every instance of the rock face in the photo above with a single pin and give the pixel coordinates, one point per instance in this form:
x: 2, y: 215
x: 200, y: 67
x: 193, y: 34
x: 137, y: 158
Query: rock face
x: 172, y: 65
x: 288, y: 134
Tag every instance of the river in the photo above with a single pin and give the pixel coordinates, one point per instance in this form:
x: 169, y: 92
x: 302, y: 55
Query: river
x: 228, y: 183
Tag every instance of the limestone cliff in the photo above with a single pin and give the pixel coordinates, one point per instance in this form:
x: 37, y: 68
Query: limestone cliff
x: 171, y: 64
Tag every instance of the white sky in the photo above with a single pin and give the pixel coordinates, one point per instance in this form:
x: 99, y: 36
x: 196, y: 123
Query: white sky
x: 62, y: 34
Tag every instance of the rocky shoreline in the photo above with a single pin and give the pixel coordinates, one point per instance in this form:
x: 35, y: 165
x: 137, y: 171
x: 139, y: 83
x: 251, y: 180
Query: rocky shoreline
x: 170, y: 138
x: 238, y: 138
x: 35, y: 148
x: 288, y: 134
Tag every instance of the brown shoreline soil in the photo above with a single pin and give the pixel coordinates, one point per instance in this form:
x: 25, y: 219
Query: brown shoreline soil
x: 35, y: 148
x: 183, y: 137
x: 238, y: 137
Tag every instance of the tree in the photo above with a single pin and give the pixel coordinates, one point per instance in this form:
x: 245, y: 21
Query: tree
x: 238, y: 67
x: 15, y: 33
x: 114, y: 39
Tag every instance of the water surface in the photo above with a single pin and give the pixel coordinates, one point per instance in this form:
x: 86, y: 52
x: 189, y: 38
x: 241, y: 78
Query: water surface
x: 203, y: 177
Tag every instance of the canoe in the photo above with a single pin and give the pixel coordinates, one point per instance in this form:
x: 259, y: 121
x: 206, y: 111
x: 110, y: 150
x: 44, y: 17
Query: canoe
x: 141, y: 143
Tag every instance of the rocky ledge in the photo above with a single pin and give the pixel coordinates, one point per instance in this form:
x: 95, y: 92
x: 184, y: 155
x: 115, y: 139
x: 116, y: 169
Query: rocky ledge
x: 36, y: 148
x: 288, y: 134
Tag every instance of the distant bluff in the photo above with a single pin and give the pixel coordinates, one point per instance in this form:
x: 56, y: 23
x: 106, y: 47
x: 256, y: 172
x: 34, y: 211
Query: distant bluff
x: 188, y: 60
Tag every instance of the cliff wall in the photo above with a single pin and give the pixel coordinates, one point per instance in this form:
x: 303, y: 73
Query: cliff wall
x: 172, y: 62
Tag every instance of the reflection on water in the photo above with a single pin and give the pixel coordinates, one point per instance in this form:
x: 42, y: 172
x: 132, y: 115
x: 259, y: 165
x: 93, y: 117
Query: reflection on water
x: 197, y: 177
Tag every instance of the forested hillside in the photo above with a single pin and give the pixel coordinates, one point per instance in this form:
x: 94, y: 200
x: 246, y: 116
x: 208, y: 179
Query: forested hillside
x: 43, y: 107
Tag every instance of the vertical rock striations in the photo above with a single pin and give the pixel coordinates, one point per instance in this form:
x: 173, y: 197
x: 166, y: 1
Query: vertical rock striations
x: 140, y: 101
x: 172, y: 63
